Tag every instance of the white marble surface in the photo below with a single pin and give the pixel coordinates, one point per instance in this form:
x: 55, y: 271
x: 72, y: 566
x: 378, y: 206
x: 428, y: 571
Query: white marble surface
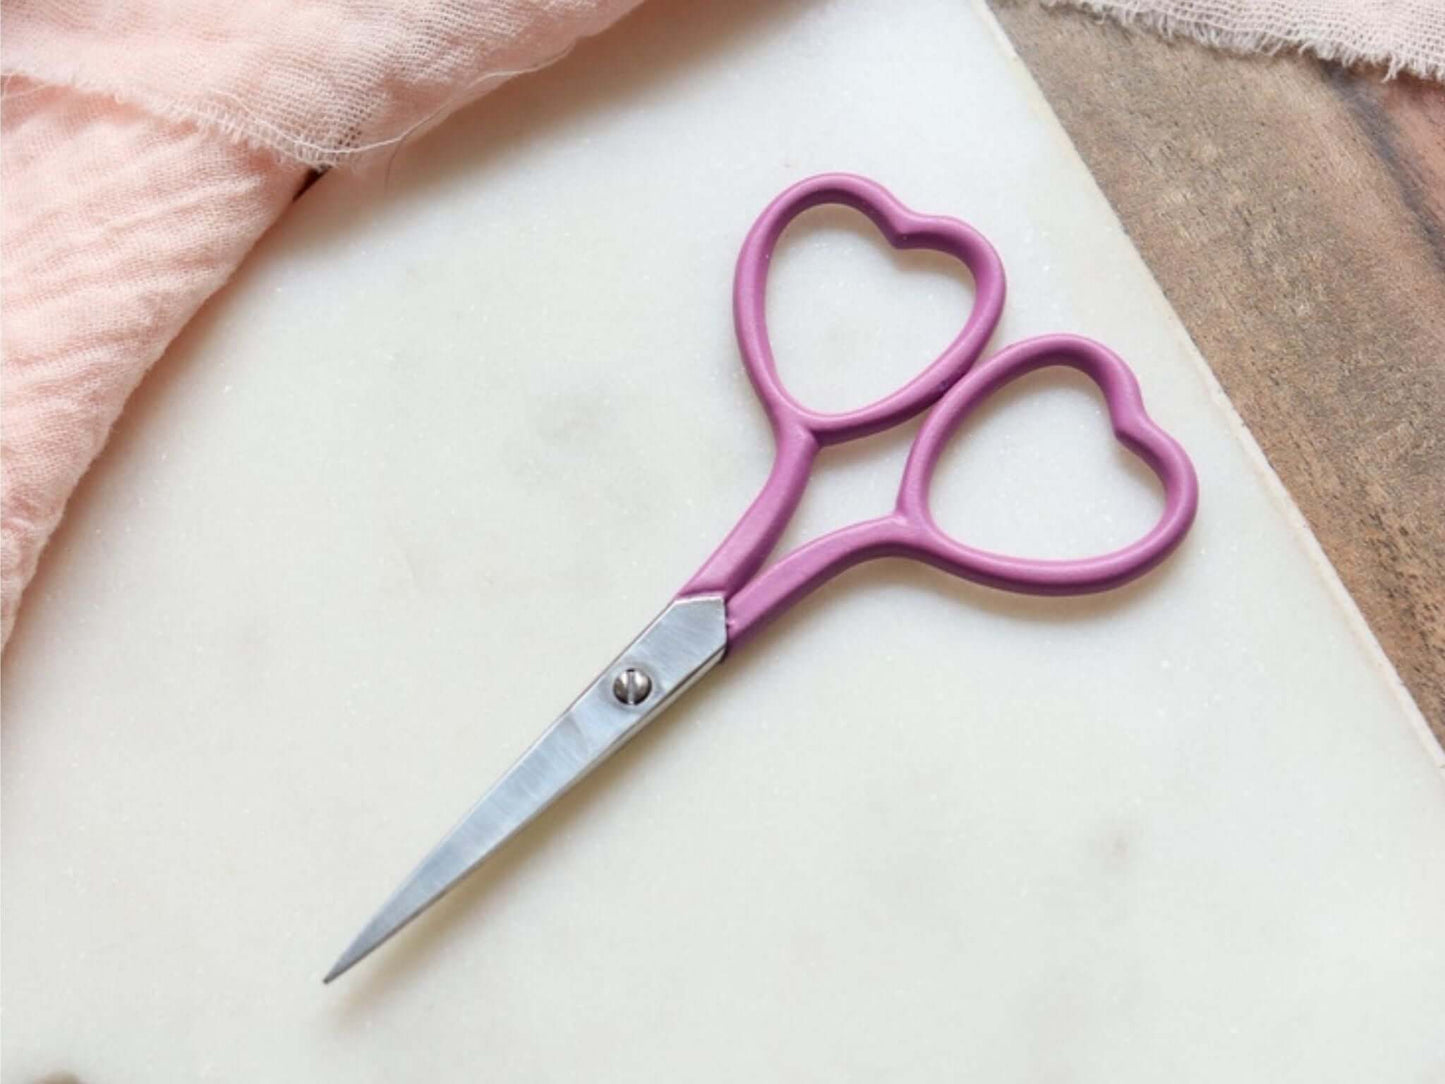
x: 454, y: 435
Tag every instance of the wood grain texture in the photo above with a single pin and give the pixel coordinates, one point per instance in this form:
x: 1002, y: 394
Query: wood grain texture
x: 1295, y: 216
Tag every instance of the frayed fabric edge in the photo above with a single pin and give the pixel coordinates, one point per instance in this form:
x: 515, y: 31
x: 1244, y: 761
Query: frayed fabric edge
x: 238, y: 124
x: 1391, y: 61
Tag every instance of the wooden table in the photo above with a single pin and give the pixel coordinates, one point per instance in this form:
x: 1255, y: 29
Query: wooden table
x: 1295, y: 216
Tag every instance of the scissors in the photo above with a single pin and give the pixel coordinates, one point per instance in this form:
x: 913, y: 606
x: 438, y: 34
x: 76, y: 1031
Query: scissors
x: 730, y: 599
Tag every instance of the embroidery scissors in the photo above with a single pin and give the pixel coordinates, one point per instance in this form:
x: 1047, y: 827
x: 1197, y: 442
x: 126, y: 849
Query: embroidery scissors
x: 728, y: 600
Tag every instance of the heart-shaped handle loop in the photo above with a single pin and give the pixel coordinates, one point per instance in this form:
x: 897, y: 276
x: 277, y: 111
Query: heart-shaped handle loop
x: 901, y: 228
x: 910, y: 531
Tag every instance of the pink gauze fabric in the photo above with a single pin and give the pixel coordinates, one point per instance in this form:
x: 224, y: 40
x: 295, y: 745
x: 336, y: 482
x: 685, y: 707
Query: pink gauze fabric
x: 146, y: 144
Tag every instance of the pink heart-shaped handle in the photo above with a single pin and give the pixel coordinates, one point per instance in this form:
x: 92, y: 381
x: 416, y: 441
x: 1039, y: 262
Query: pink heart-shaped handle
x: 1132, y: 426
x: 798, y: 431
x: 910, y: 531
x: 902, y: 229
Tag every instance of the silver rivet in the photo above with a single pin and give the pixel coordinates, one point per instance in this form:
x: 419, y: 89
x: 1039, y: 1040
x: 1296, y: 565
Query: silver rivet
x: 632, y: 686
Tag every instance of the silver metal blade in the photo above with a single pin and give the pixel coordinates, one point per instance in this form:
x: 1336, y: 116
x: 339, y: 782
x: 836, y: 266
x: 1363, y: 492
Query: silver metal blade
x: 685, y: 642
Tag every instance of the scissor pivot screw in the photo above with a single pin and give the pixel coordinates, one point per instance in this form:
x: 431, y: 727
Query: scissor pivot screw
x: 632, y: 686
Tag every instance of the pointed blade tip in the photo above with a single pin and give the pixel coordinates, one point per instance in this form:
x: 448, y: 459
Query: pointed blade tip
x: 353, y: 955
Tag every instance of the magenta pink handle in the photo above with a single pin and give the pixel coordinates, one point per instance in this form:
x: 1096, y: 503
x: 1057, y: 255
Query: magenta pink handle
x: 798, y: 431
x: 902, y: 229
x: 910, y: 531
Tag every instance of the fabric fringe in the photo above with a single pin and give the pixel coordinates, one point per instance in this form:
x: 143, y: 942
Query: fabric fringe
x: 1343, y: 37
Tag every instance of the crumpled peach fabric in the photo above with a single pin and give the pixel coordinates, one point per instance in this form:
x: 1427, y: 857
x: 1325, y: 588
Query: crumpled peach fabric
x: 146, y: 144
